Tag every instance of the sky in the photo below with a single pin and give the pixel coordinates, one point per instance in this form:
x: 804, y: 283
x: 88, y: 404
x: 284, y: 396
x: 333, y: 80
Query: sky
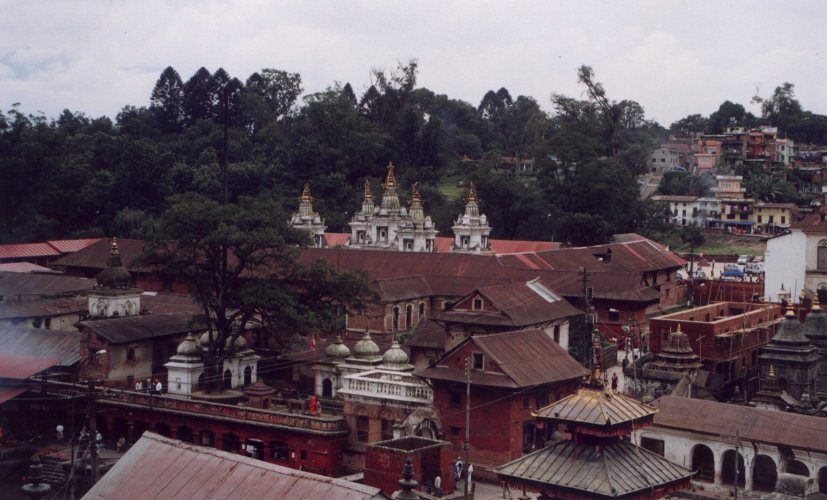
x: 675, y: 58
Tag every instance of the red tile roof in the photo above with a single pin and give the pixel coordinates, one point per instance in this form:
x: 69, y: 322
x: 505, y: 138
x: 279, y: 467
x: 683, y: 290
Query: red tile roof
x: 27, y: 250
x: 69, y: 246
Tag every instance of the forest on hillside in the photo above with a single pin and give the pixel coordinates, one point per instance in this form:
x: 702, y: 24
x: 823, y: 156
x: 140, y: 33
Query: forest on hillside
x: 77, y: 176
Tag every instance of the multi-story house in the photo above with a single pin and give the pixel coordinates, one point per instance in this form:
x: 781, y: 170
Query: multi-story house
x: 773, y: 218
x: 665, y: 160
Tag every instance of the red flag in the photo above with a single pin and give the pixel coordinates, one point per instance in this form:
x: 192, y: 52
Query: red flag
x: 313, y: 342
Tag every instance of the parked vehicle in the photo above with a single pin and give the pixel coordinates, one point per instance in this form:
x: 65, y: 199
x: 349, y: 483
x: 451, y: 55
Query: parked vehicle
x: 699, y: 274
x: 732, y: 271
x: 754, y: 268
x: 743, y: 259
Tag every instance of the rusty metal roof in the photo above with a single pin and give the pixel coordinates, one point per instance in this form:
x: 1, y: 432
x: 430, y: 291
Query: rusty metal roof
x: 404, y: 288
x: 427, y: 334
x: 22, y: 367
x: 752, y: 424
x: 525, y: 358
x: 514, y: 304
x: 96, y: 255
x: 131, y: 328
x: 613, y: 470
x: 596, y: 407
x: 35, y: 342
x: 69, y: 246
x: 158, y: 303
x: 27, y: 250
x: 158, y: 467
x: 18, y: 284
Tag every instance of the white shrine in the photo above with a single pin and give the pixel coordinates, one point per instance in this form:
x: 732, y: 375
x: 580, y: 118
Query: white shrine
x: 471, y: 230
x: 309, y: 220
x: 114, y: 294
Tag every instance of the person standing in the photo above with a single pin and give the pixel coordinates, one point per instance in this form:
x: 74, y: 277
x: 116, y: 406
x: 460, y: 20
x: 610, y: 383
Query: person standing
x: 159, y: 387
x: 438, y: 486
x: 457, y: 470
x: 139, y: 386
x: 59, y: 430
x: 149, y: 386
x: 614, y: 382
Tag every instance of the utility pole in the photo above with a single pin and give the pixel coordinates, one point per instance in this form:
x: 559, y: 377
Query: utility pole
x: 467, y: 445
x: 588, y: 295
x: 93, y: 431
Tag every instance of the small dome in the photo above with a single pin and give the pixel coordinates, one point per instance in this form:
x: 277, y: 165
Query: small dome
x: 204, y: 339
x: 189, y: 346
x: 114, y: 275
x: 366, y: 348
x: 338, y: 349
x: 395, y: 356
x: 239, y: 344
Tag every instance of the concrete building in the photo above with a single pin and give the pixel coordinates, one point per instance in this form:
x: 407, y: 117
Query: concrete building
x: 711, y: 438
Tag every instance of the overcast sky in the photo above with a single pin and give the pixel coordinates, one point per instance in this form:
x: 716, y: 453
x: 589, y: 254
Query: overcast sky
x: 673, y: 57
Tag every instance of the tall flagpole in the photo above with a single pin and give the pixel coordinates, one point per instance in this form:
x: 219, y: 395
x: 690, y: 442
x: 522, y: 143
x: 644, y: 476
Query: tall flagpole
x: 314, y: 401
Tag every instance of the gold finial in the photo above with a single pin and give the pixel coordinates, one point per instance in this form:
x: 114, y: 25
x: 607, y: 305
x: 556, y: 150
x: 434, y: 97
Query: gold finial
x: 368, y: 192
x: 415, y: 196
x: 306, y: 193
x: 472, y: 193
x: 771, y: 374
x: 390, y: 180
x: 816, y: 304
x: 790, y: 313
x: 679, y: 328
x: 114, y: 247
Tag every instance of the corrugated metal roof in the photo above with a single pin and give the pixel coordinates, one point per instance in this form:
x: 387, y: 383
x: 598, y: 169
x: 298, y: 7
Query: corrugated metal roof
x: 69, y: 246
x: 25, y: 267
x: 14, y: 284
x: 160, y: 303
x: 7, y: 393
x: 35, y: 342
x: 132, y: 328
x: 596, y: 407
x: 95, y: 256
x: 752, y: 424
x: 404, y: 288
x: 612, y: 470
x: 22, y: 367
x: 43, y: 308
x: 158, y: 467
x: 27, y: 250
x: 427, y: 334
x: 526, y: 357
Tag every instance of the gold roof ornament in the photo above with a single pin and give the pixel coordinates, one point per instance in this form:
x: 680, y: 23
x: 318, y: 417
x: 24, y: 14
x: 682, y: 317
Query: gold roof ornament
x: 416, y: 197
x: 816, y: 304
x: 390, y: 180
x: 472, y: 193
x: 305, y: 196
x: 771, y: 374
x: 368, y: 192
x: 113, y: 249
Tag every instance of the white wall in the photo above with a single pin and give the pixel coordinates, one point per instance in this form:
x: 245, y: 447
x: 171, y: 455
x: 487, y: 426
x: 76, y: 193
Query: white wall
x: 785, y: 262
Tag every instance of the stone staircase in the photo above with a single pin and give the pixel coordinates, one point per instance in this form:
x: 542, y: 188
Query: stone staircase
x: 53, y: 468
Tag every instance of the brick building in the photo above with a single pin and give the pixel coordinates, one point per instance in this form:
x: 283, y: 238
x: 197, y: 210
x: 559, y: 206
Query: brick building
x: 510, y: 374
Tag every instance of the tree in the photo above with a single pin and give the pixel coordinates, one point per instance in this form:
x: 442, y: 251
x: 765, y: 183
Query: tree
x: 691, y: 124
x: 167, y: 100
x: 198, y: 97
x: 241, y: 262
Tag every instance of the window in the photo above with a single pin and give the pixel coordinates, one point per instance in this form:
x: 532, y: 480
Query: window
x: 783, y: 220
x: 478, y: 361
x: 455, y: 431
x: 387, y: 428
x: 395, y: 325
x: 278, y: 450
x: 456, y: 399
x: 362, y: 428
x: 822, y: 255
x: 421, y: 311
x: 476, y: 305
x: 408, y: 316
x: 130, y: 353
x: 47, y: 323
x: 303, y: 454
x: 653, y: 445
x: 772, y: 219
x: 760, y: 217
x: 557, y: 333
x: 614, y: 315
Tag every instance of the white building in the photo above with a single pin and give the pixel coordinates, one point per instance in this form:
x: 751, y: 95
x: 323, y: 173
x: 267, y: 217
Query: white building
x: 711, y: 438
x: 390, y: 226
x: 309, y: 220
x: 798, y: 259
x: 471, y: 230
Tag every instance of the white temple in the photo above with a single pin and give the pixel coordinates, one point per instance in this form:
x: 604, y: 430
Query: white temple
x: 471, y: 230
x: 309, y: 220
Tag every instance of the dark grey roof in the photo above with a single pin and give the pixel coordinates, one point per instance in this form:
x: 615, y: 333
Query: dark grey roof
x: 596, y: 407
x: 43, y: 308
x: 35, y: 342
x: 132, y: 328
x: 19, y: 284
x: 612, y: 470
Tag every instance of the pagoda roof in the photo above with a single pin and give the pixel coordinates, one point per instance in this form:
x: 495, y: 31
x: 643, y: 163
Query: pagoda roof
x: 613, y: 470
x: 596, y: 407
